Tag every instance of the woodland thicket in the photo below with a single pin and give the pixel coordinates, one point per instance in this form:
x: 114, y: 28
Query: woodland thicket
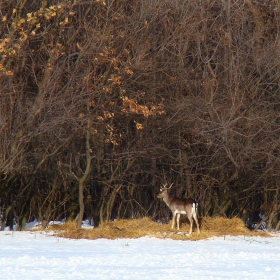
x: 101, y: 102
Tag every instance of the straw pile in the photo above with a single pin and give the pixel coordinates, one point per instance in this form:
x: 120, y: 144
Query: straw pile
x: 136, y: 228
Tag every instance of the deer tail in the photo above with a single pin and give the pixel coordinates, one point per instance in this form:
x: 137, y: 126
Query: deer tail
x: 195, y: 207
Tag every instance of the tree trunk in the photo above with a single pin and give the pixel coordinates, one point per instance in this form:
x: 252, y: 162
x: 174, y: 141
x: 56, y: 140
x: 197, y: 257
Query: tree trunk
x: 81, y: 204
x: 83, y: 179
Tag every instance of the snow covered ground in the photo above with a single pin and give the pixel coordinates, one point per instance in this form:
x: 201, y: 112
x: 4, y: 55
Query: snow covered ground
x: 39, y: 255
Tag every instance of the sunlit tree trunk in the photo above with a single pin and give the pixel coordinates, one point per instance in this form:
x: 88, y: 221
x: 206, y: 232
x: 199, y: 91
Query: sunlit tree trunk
x: 82, y: 180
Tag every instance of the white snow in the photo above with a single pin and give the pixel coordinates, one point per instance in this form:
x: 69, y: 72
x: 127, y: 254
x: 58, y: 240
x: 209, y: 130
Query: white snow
x: 40, y: 255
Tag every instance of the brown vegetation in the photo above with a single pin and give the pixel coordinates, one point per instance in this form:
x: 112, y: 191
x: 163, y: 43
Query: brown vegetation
x: 136, y: 228
x: 101, y: 101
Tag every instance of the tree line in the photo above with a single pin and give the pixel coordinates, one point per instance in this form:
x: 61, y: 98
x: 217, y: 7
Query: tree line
x: 101, y: 102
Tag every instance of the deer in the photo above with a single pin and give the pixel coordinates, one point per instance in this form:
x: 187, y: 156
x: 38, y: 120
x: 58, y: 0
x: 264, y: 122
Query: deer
x: 180, y: 206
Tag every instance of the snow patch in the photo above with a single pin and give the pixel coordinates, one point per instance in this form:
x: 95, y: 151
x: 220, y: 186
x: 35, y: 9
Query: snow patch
x: 39, y: 255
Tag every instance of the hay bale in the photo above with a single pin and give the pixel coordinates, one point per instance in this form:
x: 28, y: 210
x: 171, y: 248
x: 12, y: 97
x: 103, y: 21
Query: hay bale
x: 223, y: 226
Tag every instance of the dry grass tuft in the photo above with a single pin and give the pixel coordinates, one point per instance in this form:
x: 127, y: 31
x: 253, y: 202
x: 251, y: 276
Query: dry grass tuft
x: 146, y: 227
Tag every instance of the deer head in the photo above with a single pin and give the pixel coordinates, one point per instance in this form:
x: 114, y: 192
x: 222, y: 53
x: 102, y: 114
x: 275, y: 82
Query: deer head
x: 164, y: 189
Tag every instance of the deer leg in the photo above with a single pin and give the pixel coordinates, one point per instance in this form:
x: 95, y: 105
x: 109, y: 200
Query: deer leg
x: 191, y: 223
x: 173, y: 220
x: 178, y: 221
x: 196, y: 222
